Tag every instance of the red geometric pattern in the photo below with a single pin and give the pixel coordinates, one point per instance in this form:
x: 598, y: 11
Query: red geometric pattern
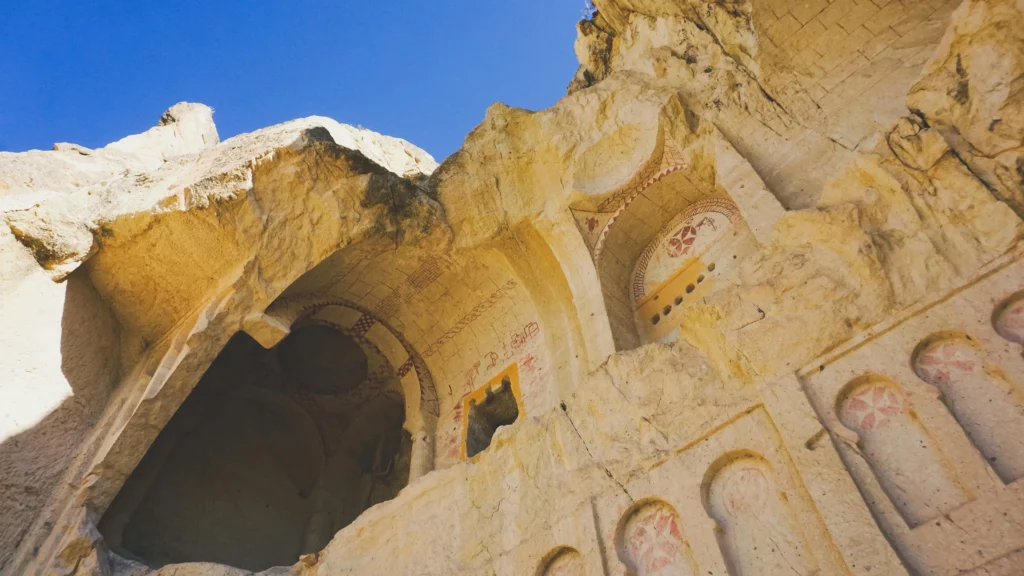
x: 666, y: 159
x: 680, y: 243
x: 873, y: 406
x: 654, y: 540
x: 641, y: 269
x: 363, y: 325
x: 944, y: 362
x: 636, y: 194
x: 468, y: 319
x: 389, y: 306
x: 422, y: 277
x: 430, y: 270
x: 428, y: 394
x: 640, y: 180
x: 405, y: 368
x: 717, y: 205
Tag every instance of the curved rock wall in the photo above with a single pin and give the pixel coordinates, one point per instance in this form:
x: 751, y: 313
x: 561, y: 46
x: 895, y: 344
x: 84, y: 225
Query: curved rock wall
x: 810, y: 415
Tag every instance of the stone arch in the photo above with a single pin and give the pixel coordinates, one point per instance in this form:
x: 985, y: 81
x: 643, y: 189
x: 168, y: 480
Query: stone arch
x: 650, y: 541
x: 250, y: 429
x: 686, y: 173
x: 683, y: 236
x: 422, y: 407
x: 563, y: 561
x: 1008, y: 318
x: 756, y: 528
x: 905, y: 458
x: 682, y: 263
x: 262, y: 463
x: 179, y: 312
x: 676, y: 209
x: 391, y: 435
x: 987, y: 406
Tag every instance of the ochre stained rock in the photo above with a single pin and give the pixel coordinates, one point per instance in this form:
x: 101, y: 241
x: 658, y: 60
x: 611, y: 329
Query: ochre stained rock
x: 748, y: 300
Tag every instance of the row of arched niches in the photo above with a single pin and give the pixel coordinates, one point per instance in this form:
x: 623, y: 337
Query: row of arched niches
x: 741, y: 497
x: 928, y: 418
x: 926, y: 414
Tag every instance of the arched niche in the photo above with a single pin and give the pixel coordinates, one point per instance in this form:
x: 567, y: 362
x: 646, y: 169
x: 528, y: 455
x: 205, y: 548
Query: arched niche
x: 685, y: 262
x: 188, y: 306
x: 360, y: 324
x: 272, y: 453
x: 451, y: 322
x: 650, y: 541
x: 563, y: 561
x: 653, y: 267
x: 1008, y: 318
x: 906, y: 460
x: 651, y: 236
x: 988, y: 407
x: 368, y: 410
x: 756, y: 528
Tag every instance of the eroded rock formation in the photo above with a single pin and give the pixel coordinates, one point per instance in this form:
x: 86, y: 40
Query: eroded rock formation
x: 748, y: 300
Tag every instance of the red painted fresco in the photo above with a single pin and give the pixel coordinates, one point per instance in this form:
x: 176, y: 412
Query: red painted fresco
x: 945, y: 362
x: 655, y: 542
x: 874, y: 407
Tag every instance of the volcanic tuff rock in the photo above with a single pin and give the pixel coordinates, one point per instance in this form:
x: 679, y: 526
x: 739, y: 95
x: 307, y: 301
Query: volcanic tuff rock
x: 747, y: 300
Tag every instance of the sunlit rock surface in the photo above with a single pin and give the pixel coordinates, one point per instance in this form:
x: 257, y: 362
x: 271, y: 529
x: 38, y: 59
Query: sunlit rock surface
x: 748, y: 300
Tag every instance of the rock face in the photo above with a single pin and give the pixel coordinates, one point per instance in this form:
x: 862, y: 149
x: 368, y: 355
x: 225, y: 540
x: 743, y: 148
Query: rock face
x: 748, y: 300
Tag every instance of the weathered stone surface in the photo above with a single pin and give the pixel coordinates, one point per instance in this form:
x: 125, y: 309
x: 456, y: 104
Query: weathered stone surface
x: 971, y: 92
x: 227, y: 188
x: 64, y: 229
x: 184, y: 128
x: 730, y: 306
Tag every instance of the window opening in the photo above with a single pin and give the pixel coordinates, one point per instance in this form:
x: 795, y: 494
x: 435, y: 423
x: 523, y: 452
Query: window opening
x: 492, y: 406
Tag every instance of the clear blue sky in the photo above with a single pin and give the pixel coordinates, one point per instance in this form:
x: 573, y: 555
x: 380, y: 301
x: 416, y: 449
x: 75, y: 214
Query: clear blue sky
x: 93, y: 72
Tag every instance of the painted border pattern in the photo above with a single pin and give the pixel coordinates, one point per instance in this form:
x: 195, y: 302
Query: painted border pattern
x: 372, y: 386
x: 670, y: 162
x: 720, y: 205
x: 466, y: 320
x: 429, y: 400
x: 430, y: 269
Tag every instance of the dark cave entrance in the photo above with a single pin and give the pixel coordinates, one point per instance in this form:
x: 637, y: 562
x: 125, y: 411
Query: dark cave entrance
x: 271, y: 454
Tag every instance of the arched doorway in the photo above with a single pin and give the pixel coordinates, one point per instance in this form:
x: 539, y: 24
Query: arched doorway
x: 273, y: 452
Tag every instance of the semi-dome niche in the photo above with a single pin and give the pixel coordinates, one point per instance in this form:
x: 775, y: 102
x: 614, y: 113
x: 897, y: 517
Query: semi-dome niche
x: 674, y: 233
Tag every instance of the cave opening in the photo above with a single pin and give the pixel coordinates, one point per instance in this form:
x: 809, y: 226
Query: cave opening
x: 270, y: 455
x: 498, y: 407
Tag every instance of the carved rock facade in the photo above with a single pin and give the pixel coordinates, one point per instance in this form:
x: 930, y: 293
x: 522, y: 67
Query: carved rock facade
x: 748, y: 300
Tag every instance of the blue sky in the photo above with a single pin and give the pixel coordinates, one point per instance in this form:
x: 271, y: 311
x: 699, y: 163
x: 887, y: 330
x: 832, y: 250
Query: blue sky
x: 93, y: 72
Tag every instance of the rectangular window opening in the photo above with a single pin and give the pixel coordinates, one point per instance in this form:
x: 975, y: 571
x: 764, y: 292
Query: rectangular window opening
x: 490, y: 408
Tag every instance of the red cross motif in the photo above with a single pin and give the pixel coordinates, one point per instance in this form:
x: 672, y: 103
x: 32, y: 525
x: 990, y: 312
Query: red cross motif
x: 944, y: 362
x: 655, y: 541
x: 528, y: 362
x: 874, y: 406
x: 679, y: 244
